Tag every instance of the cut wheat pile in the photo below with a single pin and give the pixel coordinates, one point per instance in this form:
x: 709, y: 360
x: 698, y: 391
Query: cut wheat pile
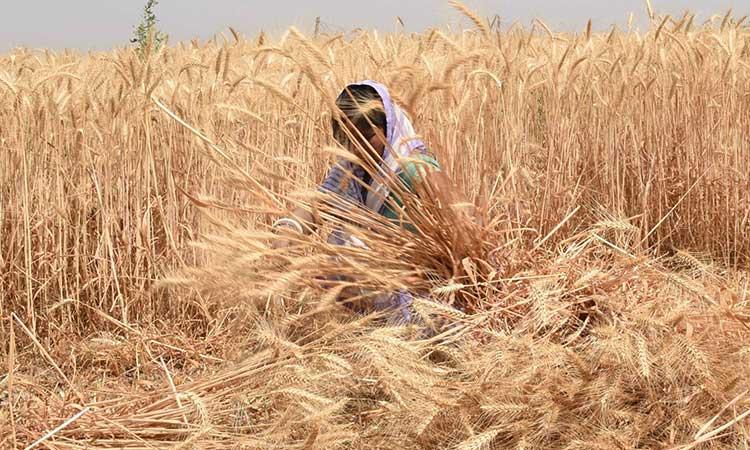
x: 598, y: 299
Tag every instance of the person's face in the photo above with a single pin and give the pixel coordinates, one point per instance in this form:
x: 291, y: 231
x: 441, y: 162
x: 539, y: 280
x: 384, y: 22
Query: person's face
x: 373, y: 137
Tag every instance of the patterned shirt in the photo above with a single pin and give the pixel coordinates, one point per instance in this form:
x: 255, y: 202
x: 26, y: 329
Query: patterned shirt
x: 354, y: 192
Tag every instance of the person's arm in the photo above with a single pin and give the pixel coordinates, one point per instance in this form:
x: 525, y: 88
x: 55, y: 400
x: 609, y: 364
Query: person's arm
x: 439, y: 181
x: 428, y: 179
x: 302, y: 221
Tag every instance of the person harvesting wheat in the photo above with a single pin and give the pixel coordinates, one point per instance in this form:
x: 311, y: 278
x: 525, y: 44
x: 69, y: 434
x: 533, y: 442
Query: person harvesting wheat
x: 387, y: 157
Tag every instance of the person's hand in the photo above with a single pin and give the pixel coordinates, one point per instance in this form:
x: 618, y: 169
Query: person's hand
x: 284, y: 237
x: 280, y: 243
x: 287, y: 230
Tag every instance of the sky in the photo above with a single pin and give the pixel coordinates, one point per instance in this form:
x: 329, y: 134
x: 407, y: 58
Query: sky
x: 103, y: 24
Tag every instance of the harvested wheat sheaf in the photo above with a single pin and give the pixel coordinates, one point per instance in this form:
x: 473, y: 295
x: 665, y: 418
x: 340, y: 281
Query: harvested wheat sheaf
x: 594, y: 296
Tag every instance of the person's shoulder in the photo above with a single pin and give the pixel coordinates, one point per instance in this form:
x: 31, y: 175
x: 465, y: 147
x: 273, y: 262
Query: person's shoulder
x: 429, y: 158
x: 334, y: 180
x: 423, y: 161
x: 428, y: 153
x: 417, y: 167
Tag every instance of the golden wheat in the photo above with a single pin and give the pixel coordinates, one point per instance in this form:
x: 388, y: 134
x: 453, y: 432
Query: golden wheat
x: 143, y: 306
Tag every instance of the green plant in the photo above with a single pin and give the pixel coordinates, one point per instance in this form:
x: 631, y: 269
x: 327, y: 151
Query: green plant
x: 147, y: 36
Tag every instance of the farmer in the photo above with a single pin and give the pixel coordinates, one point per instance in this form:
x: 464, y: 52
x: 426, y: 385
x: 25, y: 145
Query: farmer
x: 371, y: 126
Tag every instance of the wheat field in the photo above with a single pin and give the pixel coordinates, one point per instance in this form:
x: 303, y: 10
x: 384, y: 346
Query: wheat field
x: 603, y: 291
